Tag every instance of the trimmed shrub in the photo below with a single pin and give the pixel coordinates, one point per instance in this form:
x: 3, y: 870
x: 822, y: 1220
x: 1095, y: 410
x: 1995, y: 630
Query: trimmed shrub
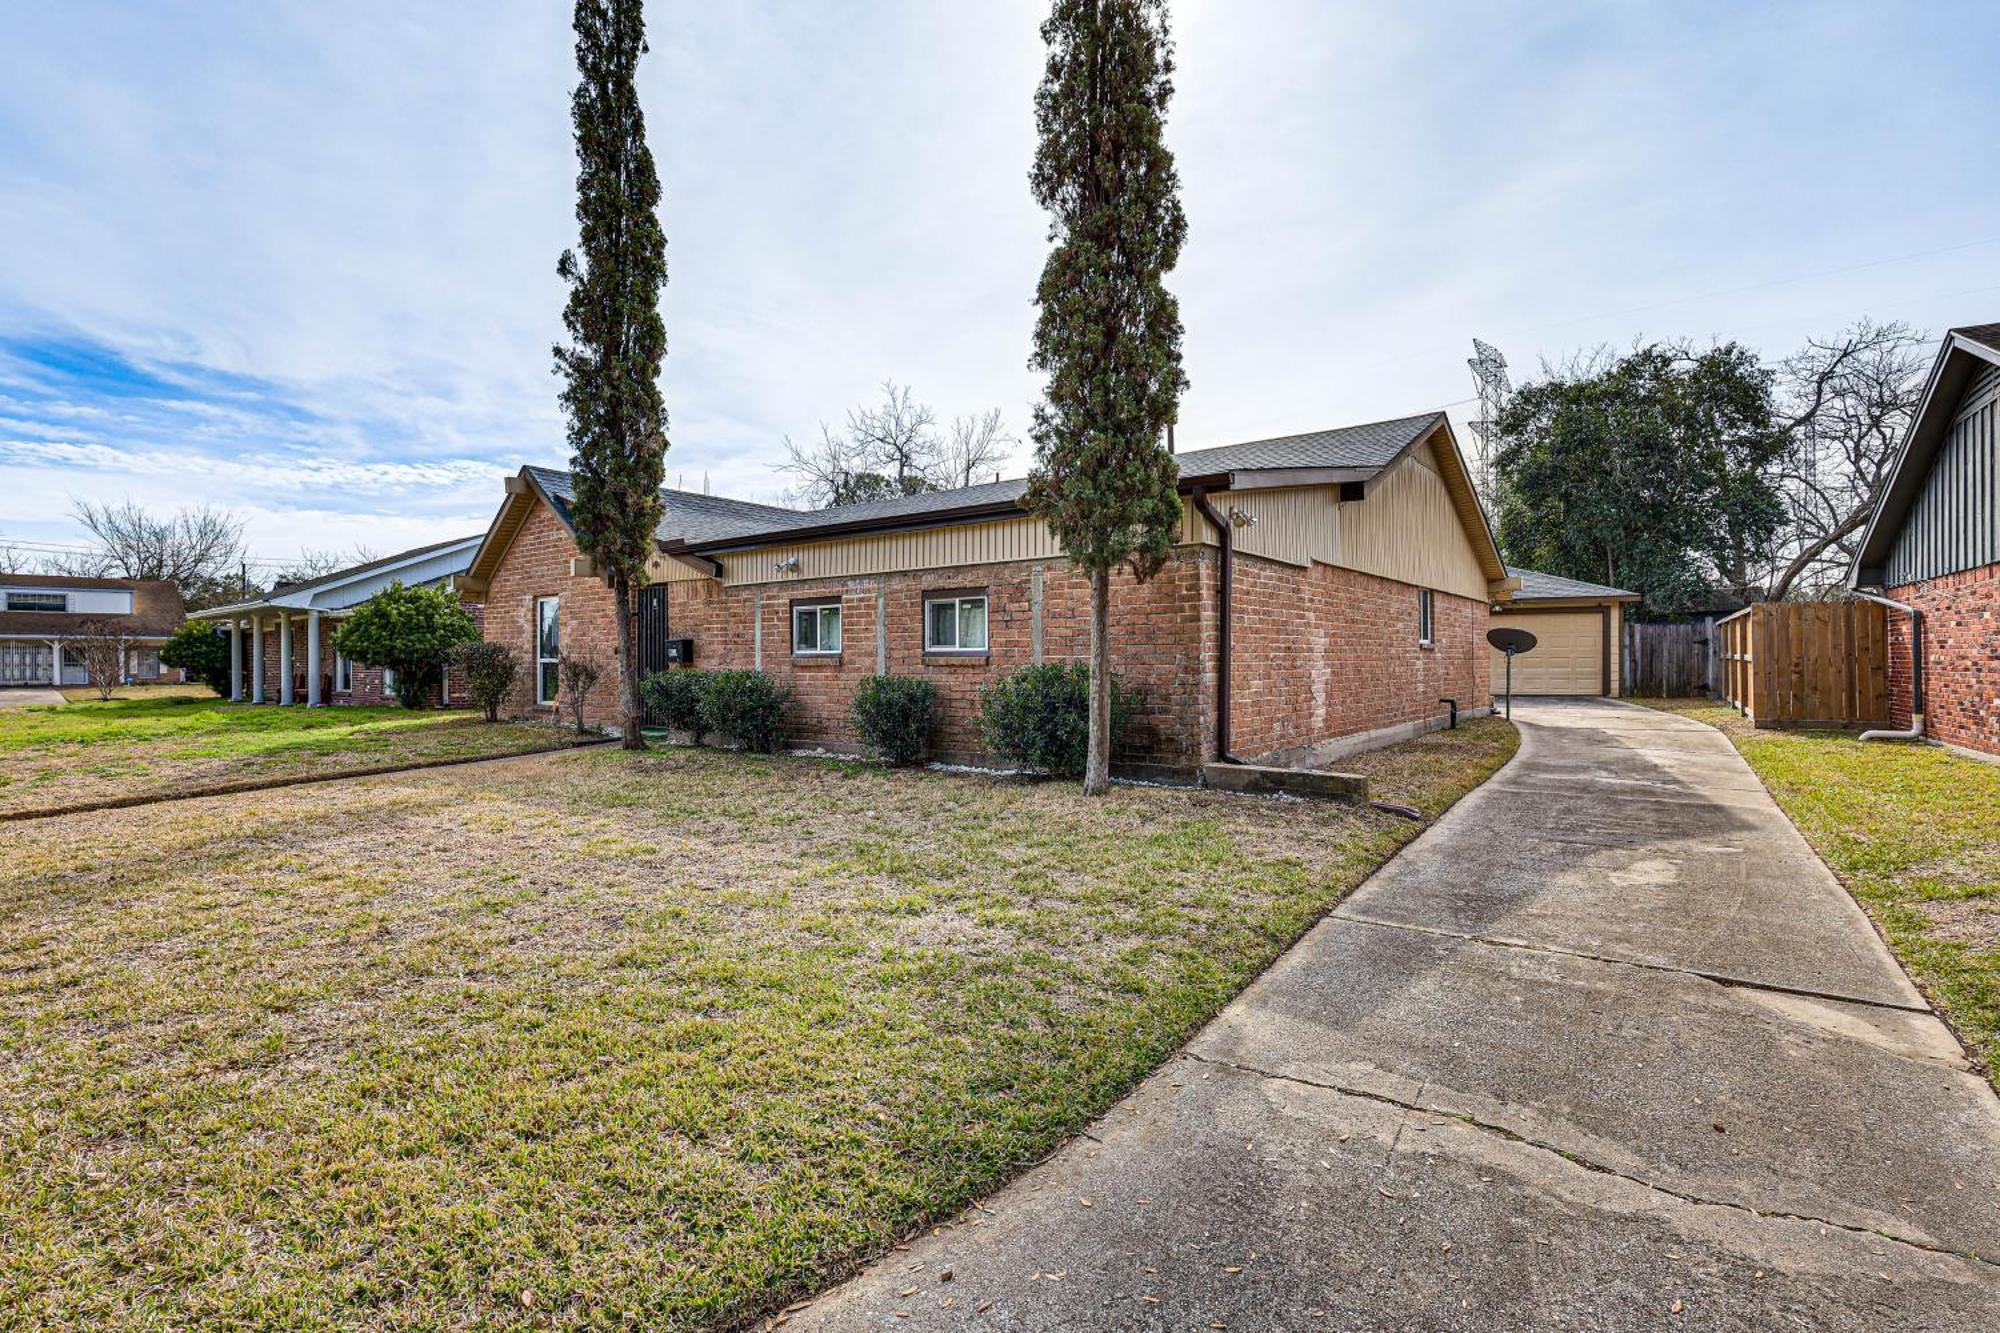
x: 490, y: 672
x: 1039, y: 717
x: 895, y: 715
x: 746, y: 707
x: 198, y: 649
x: 673, y: 698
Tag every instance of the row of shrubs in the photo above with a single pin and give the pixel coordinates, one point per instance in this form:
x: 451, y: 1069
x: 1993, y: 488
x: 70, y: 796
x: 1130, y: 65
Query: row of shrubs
x: 1037, y: 717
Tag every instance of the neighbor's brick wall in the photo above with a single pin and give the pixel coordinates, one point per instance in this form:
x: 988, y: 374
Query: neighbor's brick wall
x: 1157, y: 631
x: 1961, y: 657
x: 536, y: 564
x: 1324, y: 652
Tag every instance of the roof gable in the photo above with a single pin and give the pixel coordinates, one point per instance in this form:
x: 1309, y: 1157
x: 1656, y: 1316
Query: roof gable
x: 1966, y: 351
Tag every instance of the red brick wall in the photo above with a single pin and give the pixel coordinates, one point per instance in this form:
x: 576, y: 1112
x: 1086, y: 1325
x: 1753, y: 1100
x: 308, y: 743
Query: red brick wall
x: 1961, y: 657
x: 536, y: 564
x: 1323, y: 653
x: 1156, y: 633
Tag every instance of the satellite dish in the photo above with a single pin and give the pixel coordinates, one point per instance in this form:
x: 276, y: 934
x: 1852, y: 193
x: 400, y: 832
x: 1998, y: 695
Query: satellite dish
x: 1510, y: 640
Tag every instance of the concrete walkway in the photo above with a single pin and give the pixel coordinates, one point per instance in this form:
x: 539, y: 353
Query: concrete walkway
x: 29, y: 696
x: 1606, y: 1048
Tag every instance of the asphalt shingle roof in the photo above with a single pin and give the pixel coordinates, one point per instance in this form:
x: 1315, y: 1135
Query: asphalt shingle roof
x: 1535, y: 585
x: 690, y: 516
x: 697, y: 519
x: 1987, y: 335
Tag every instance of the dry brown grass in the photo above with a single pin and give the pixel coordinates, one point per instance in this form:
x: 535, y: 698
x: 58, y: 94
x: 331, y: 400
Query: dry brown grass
x: 659, y: 1040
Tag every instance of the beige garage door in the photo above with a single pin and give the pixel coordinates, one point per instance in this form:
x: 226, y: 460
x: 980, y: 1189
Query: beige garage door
x: 1568, y: 656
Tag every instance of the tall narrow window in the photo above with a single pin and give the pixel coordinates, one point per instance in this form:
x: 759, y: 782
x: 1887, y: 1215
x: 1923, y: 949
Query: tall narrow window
x: 343, y: 674
x: 548, y: 648
x: 1424, y: 617
x: 815, y: 628
x: 955, y: 622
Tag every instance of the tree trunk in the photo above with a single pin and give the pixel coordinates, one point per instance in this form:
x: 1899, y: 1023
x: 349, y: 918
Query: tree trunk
x: 629, y: 716
x: 1097, y: 765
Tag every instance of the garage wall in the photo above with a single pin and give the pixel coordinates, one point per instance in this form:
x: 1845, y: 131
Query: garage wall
x: 1578, y: 636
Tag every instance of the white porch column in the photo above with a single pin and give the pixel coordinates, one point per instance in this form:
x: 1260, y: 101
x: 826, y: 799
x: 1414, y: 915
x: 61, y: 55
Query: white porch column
x: 312, y: 659
x: 285, y: 659
x: 257, y: 659
x: 235, y: 660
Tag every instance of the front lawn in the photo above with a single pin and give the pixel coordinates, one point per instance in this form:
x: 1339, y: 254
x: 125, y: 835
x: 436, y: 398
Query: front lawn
x: 595, y: 1039
x: 169, y: 742
x: 1914, y: 832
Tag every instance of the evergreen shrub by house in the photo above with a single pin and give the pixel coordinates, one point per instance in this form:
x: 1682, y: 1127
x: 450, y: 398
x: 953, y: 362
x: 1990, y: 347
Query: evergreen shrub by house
x: 746, y: 707
x: 894, y: 716
x: 1039, y: 717
x: 673, y: 698
x: 197, y: 649
x: 413, y: 632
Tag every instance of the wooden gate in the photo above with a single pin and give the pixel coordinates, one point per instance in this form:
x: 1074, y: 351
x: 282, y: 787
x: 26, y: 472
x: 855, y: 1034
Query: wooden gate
x: 1807, y: 664
x: 1666, y: 660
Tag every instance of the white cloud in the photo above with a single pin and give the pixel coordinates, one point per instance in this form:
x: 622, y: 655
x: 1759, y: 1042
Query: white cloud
x: 357, y: 210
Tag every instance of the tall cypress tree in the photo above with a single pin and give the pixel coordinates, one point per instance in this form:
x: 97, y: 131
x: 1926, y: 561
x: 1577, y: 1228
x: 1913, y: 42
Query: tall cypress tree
x: 611, y: 367
x: 1109, y: 332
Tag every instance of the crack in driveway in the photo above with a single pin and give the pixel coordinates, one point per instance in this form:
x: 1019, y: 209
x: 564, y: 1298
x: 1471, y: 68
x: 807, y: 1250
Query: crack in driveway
x: 1575, y: 1159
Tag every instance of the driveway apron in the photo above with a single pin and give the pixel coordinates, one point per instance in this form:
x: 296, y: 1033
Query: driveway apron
x: 1607, y: 1047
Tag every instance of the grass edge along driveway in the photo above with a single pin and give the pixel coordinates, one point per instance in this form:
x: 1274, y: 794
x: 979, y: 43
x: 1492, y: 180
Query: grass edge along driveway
x: 1913, y: 831
x: 603, y: 1040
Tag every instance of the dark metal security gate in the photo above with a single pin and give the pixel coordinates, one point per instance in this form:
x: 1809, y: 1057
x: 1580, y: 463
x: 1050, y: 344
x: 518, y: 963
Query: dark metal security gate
x: 652, y: 629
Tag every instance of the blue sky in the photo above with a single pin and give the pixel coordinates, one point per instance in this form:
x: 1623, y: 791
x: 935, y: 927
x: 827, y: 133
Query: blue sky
x: 299, y: 259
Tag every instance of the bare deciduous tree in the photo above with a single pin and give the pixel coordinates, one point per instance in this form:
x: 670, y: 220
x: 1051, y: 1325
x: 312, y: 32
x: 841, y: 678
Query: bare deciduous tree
x: 579, y: 673
x: 899, y: 438
x: 103, y: 648
x: 975, y: 447
x: 894, y: 449
x: 313, y: 563
x: 1847, y: 402
x: 198, y: 549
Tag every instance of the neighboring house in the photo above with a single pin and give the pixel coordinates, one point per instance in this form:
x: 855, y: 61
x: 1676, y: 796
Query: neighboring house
x: 43, y: 615
x: 1934, y: 544
x: 1579, y: 631
x: 283, y: 641
x: 1326, y: 591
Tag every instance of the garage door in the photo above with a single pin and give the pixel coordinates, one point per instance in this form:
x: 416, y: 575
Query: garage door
x: 1568, y: 656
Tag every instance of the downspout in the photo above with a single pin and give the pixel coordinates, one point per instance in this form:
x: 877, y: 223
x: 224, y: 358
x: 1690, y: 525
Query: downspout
x: 1916, y: 727
x: 1226, y: 538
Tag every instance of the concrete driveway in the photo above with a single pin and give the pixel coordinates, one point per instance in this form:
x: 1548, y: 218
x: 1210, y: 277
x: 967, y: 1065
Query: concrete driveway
x: 1606, y: 1048
x: 29, y: 696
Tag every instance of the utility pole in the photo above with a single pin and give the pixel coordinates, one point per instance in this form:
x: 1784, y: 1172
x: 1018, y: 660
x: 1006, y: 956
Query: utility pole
x: 1489, y: 378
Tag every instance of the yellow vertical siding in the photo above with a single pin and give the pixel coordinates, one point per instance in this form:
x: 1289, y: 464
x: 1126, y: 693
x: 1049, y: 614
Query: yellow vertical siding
x: 1409, y: 529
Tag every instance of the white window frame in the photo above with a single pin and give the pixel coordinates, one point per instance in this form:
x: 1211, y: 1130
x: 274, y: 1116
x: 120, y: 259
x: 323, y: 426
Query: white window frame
x: 29, y: 595
x: 555, y: 695
x: 957, y: 601
x: 1426, y: 618
x: 343, y: 674
x: 818, y: 613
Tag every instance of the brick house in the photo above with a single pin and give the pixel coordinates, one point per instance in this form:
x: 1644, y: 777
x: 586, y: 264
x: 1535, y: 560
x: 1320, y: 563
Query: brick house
x: 1327, y: 591
x: 282, y: 642
x: 1933, y: 545
x: 45, y: 617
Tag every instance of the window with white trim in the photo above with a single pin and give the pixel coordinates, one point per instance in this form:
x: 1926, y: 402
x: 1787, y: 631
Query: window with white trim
x: 548, y: 649
x: 955, y: 623
x: 343, y: 674
x: 388, y: 682
x: 38, y: 601
x: 815, y: 628
x: 1426, y: 611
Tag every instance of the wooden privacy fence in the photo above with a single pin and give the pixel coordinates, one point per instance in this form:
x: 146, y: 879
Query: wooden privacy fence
x: 1807, y: 664
x: 1667, y: 660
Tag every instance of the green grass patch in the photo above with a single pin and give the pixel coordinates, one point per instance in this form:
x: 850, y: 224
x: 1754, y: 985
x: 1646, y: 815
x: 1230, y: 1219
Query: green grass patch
x: 176, y: 742
x: 1914, y: 832
x: 598, y: 1040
